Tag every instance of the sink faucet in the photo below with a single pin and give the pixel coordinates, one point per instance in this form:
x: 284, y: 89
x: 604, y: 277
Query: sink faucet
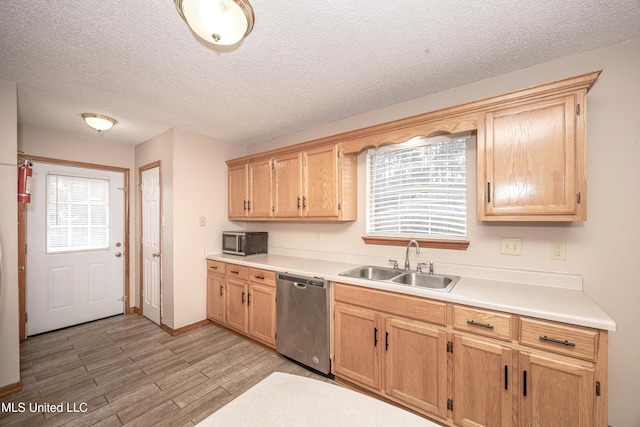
x: 406, y: 260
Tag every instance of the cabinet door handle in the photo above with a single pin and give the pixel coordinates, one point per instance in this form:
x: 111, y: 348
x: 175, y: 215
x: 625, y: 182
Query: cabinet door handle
x: 243, y: 297
x: 298, y: 202
x: 249, y: 205
x: 386, y: 341
x: 488, y: 192
x: 245, y: 205
x: 304, y: 202
x: 375, y: 337
x: 553, y: 340
x: 249, y: 298
x: 484, y: 325
x: 524, y: 381
x: 221, y: 290
x: 506, y: 377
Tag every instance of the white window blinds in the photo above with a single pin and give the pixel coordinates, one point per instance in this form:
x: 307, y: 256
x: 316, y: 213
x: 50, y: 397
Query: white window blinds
x: 77, y: 213
x: 418, y: 189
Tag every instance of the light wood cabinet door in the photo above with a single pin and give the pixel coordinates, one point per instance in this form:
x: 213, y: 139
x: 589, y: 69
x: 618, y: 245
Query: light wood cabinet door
x: 531, y: 161
x: 260, y: 202
x: 357, y: 345
x: 262, y: 313
x: 215, y: 298
x: 320, y: 197
x: 236, y: 305
x: 555, y: 393
x: 237, y: 191
x: 483, y: 389
x: 416, y: 365
x: 287, y: 177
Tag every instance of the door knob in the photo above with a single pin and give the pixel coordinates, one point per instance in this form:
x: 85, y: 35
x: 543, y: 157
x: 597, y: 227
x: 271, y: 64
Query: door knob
x: 118, y: 244
x: 155, y: 254
x: 118, y: 254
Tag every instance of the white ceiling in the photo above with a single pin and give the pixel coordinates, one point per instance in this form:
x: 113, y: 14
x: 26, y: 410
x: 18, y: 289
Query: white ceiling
x: 306, y: 63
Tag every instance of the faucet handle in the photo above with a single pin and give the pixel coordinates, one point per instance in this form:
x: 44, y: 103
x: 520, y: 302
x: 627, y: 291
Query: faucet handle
x: 420, y: 264
x: 395, y: 263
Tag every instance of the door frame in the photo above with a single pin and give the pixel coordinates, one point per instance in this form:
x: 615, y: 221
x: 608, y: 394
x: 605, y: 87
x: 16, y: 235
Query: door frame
x: 141, y: 169
x: 22, y: 236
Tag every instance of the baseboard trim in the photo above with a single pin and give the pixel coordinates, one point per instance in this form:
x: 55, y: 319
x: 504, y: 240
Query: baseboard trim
x: 10, y: 389
x: 136, y: 310
x: 184, y: 329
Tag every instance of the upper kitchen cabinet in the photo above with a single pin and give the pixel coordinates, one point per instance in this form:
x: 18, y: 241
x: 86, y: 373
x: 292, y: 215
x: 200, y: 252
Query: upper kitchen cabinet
x: 317, y: 184
x: 249, y: 189
x: 532, y: 155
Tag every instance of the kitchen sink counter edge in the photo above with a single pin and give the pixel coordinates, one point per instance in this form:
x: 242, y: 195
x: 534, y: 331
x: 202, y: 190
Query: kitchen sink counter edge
x: 550, y: 303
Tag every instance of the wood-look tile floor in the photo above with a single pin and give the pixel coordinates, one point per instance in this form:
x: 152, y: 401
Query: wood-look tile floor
x: 125, y: 370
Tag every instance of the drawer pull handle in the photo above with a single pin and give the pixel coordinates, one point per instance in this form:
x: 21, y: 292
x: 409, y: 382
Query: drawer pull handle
x: 553, y: 340
x: 484, y: 325
x: 234, y: 272
x: 259, y: 277
x: 215, y: 267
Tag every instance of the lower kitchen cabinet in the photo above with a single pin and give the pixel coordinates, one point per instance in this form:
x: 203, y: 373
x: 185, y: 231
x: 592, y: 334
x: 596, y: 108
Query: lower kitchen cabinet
x: 236, y: 305
x: 401, y: 359
x: 261, y: 304
x: 243, y: 299
x: 483, y: 387
x: 556, y: 393
x: 472, y: 367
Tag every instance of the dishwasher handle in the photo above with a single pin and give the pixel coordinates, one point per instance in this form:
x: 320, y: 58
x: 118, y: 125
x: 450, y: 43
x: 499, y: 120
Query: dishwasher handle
x: 299, y: 285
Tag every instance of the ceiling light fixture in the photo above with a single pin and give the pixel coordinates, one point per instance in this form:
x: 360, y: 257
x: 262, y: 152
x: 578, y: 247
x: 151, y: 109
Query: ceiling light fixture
x: 98, y: 121
x: 221, y: 22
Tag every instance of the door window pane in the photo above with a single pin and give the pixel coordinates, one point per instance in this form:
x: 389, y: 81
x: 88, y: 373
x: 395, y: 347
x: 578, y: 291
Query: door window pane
x: 77, y: 213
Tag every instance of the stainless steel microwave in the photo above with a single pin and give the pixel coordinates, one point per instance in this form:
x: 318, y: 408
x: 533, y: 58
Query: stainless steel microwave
x: 244, y: 243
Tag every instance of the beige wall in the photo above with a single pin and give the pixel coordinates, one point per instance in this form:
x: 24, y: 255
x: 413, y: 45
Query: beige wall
x: 194, y: 184
x: 9, y: 333
x: 601, y: 249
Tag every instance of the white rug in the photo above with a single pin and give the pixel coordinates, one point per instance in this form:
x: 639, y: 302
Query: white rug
x: 285, y: 400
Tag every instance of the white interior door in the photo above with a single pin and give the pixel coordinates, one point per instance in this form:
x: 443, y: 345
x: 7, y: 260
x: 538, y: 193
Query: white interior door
x: 75, y: 232
x: 150, y: 199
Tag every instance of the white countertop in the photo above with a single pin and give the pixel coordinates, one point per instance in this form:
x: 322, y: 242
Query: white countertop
x: 571, y: 306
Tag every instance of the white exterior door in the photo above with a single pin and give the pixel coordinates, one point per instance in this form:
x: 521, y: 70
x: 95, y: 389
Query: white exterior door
x: 75, y: 232
x: 151, y: 254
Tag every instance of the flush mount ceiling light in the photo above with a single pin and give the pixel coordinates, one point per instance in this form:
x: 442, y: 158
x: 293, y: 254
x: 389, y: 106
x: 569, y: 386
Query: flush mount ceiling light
x: 221, y: 22
x: 98, y: 121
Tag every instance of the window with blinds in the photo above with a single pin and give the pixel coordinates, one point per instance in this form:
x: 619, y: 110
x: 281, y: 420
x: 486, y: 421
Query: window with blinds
x: 418, y: 189
x: 77, y: 213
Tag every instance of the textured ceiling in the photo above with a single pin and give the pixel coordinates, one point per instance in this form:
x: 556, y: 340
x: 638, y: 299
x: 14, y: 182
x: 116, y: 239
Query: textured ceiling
x: 306, y: 63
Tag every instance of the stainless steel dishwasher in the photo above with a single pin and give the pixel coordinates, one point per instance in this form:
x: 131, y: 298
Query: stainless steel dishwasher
x: 303, y: 320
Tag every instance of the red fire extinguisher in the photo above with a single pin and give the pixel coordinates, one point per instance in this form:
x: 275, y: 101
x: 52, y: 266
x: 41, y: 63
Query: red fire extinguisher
x: 24, y: 182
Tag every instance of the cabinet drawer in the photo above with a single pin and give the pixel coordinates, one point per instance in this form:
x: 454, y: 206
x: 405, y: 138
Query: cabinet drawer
x: 388, y: 302
x: 215, y: 267
x: 483, y: 322
x: 237, y: 271
x: 558, y: 338
x: 265, y: 277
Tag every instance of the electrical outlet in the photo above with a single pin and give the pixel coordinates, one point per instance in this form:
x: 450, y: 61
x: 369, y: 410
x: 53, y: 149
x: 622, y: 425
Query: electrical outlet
x: 511, y: 246
x: 202, y: 221
x: 558, y: 251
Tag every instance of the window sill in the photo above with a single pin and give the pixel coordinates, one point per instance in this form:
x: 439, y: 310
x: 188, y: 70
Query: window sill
x: 460, y: 245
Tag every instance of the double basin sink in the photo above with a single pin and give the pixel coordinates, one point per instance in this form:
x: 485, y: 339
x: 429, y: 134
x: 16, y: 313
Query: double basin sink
x: 401, y: 277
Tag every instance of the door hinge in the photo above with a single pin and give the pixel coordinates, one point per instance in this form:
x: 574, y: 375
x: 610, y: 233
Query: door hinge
x: 450, y: 404
x: 578, y: 197
x: 449, y: 346
x: 597, y: 388
x: 578, y: 109
x: 26, y: 317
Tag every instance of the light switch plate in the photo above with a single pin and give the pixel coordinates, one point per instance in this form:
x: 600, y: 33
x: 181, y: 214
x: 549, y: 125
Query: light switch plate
x: 509, y: 246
